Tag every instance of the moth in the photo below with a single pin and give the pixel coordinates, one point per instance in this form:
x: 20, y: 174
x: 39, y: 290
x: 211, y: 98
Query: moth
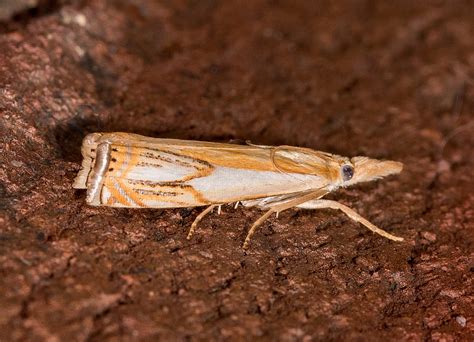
x: 133, y: 171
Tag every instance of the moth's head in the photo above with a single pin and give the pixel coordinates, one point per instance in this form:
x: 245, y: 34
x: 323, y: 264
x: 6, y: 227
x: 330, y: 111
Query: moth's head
x: 363, y: 169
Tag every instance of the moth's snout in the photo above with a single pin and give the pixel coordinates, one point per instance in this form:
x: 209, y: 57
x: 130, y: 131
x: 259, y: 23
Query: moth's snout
x: 367, y: 169
x: 390, y: 167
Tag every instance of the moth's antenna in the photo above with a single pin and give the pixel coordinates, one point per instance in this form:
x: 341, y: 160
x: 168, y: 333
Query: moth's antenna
x: 248, y: 142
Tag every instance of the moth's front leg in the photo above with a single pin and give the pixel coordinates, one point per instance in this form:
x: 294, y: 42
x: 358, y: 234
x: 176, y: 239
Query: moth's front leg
x: 328, y: 204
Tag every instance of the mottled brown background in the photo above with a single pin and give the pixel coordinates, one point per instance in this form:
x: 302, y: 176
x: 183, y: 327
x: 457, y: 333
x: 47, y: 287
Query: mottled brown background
x: 348, y: 77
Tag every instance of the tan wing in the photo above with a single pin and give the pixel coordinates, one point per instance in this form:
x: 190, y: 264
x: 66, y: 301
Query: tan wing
x: 135, y: 171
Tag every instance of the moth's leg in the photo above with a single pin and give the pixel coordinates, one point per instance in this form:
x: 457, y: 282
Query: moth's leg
x: 198, y: 219
x: 328, y: 204
x: 255, y: 226
x: 219, y: 208
x: 281, y: 205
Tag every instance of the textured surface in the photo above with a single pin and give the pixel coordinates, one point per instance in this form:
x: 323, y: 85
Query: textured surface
x: 352, y: 77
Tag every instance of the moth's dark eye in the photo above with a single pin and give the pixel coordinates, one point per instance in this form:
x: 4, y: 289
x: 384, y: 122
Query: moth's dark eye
x: 347, y: 172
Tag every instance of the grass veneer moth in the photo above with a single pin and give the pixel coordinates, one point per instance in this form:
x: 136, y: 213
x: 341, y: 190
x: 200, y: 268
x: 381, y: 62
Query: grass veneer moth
x: 133, y: 171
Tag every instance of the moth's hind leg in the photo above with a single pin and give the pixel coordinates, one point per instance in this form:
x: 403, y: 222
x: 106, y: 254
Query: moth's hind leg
x: 328, y: 204
x: 198, y: 219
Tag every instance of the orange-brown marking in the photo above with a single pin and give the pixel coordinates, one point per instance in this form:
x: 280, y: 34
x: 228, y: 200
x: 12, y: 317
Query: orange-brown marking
x: 111, y: 201
x: 132, y: 162
x: 115, y: 193
x: 178, y: 187
x: 109, y: 179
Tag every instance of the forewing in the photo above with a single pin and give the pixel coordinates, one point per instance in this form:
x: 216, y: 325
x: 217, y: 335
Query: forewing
x: 149, y: 172
x: 152, y: 177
